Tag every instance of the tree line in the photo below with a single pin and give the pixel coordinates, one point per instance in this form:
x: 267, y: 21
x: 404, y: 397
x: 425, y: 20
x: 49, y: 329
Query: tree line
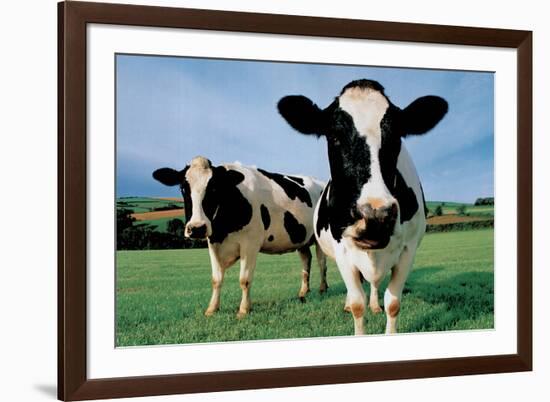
x: 485, y: 201
x: 142, y: 236
x: 460, y: 209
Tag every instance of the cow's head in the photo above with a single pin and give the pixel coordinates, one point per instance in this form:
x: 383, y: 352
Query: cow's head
x: 363, y: 131
x: 198, y: 190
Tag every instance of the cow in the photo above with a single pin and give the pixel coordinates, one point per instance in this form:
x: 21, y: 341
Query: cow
x: 372, y: 215
x: 242, y: 211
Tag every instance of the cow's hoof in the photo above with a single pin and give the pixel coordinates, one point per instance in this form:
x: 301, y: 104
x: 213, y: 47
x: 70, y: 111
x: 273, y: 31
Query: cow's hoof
x: 376, y: 309
x: 302, y: 294
x: 209, y: 313
x: 323, y: 288
x: 241, y: 315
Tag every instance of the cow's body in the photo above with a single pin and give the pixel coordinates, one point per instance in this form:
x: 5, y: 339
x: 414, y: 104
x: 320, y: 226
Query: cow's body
x: 375, y: 265
x: 371, y: 215
x: 243, y: 211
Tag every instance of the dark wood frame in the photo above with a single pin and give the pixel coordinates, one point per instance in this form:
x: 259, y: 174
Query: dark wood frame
x: 73, y: 383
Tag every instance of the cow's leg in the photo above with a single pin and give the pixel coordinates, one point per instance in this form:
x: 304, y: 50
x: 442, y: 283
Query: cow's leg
x: 355, y: 298
x: 218, y: 272
x: 322, y: 262
x: 392, y: 296
x: 373, y: 300
x: 248, y: 265
x: 305, y: 256
x: 347, y: 305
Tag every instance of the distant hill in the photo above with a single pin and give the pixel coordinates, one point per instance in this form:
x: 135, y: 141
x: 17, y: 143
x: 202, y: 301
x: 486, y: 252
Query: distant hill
x: 153, y: 211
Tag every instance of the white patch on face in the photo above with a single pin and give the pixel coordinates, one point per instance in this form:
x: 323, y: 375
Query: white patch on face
x: 198, y: 175
x: 367, y: 107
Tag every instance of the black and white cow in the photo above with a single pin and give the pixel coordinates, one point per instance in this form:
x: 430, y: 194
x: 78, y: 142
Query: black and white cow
x: 244, y: 210
x: 371, y: 216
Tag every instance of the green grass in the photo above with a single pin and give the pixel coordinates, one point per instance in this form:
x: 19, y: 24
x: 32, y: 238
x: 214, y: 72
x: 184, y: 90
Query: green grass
x: 161, y: 223
x: 161, y: 295
x: 471, y: 209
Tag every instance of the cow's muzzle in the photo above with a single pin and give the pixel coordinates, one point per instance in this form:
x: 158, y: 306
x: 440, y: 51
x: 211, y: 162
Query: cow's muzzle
x: 376, y: 228
x: 196, y: 231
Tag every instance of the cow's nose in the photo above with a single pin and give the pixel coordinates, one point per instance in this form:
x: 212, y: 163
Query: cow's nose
x: 379, y: 224
x: 381, y: 221
x: 196, y: 231
x: 386, y: 213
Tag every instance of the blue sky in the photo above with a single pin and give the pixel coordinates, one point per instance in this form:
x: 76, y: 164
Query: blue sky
x: 170, y: 109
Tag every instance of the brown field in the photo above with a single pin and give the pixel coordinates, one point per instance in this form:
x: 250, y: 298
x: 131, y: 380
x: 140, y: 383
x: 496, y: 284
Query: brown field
x: 149, y: 216
x: 452, y: 218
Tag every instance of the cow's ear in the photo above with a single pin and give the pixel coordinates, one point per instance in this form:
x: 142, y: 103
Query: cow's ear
x: 302, y: 114
x: 170, y: 177
x: 423, y: 114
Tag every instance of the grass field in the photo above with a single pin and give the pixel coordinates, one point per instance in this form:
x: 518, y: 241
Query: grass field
x: 161, y: 224
x: 450, y: 208
x: 161, y: 295
x: 145, y: 204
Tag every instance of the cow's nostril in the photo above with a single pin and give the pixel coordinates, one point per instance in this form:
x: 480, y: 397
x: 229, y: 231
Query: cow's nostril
x: 198, y: 232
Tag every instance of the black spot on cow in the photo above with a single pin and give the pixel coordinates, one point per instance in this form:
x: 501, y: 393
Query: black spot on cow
x: 296, y: 231
x: 350, y: 161
x: 266, y: 219
x: 405, y: 197
x: 323, y: 214
x: 221, y: 201
x: 390, y: 146
x: 298, y: 180
x: 426, y: 210
x: 291, y: 187
x: 270, y: 238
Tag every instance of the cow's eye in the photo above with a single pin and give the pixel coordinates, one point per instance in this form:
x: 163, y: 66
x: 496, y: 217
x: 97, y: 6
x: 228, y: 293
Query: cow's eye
x: 336, y: 140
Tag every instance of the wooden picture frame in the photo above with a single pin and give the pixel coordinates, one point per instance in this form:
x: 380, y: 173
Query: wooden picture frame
x: 73, y: 17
